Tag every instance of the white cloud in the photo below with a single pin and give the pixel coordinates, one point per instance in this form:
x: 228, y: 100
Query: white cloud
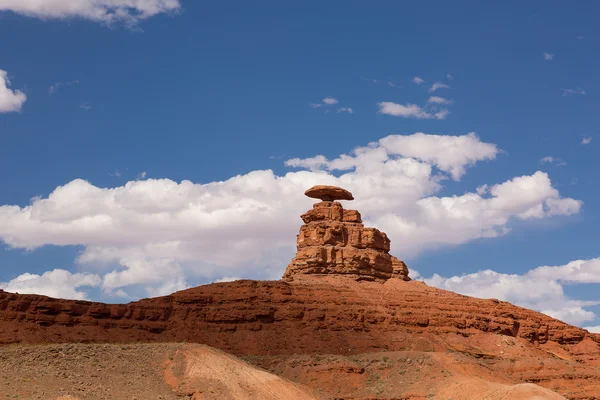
x: 55, y: 283
x: 315, y: 163
x: 142, y: 175
x: 442, y: 114
x: 593, y: 329
x: 452, y: 154
x: 329, y: 101
x: 409, y: 111
x: 10, y: 100
x: 107, y: 11
x: 85, y: 106
x: 483, y: 189
x: 53, y: 88
x: 539, y: 289
x: 392, y: 84
x: 579, y: 271
x: 586, y: 140
x: 438, y: 100
x: 418, y: 80
x: 553, y: 160
x: 226, y: 279
x: 577, y: 91
x: 161, y: 235
x: 547, y: 160
x: 438, y: 85
x: 548, y: 56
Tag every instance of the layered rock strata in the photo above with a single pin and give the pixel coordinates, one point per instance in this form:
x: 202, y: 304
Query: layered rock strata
x: 334, y: 241
x: 317, y: 310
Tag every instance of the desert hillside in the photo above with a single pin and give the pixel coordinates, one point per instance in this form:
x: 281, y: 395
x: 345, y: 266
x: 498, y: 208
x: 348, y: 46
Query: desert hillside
x: 345, y: 321
x: 190, y: 371
x: 136, y: 371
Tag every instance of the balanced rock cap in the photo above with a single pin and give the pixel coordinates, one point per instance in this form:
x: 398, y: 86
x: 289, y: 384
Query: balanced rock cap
x: 328, y: 193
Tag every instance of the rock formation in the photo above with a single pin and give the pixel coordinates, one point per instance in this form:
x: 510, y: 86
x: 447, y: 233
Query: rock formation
x: 339, y: 298
x: 334, y: 241
x: 328, y: 193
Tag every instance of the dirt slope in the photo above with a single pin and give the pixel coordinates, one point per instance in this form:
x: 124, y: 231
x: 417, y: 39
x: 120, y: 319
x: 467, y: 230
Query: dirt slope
x: 404, y: 375
x: 190, y: 371
x: 138, y: 371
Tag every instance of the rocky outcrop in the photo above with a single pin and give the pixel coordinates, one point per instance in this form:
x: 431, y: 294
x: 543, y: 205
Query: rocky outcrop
x: 333, y: 241
x: 317, y: 314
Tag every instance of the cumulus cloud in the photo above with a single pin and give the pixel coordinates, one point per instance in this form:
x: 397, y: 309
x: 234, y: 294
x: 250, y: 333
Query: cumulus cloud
x: 10, y: 100
x: 438, y: 85
x: 593, y: 329
x: 586, y: 140
x: 161, y: 235
x: 409, y: 111
x: 450, y: 154
x: 418, y: 80
x: 548, y: 56
x: 570, y: 92
x: 106, y: 11
x: 55, y: 283
x: 330, y: 100
x: 539, y: 289
x: 346, y: 110
x: 438, y: 100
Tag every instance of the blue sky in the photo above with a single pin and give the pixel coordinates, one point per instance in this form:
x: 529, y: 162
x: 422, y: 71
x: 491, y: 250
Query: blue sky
x: 118, y: 123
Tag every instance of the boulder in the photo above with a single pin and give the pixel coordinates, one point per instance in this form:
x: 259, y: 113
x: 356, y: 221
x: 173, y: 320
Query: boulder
x: 328, y: 193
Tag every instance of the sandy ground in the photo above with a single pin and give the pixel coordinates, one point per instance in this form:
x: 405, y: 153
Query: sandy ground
x: 404, y: 375
x: 192, y: 371
x: 135, y: 372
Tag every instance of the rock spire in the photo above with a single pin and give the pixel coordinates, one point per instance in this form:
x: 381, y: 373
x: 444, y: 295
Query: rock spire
x: 334, y: 241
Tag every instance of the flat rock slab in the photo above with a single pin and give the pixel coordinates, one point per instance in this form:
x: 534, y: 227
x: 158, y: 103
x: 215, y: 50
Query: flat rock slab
x: 328, y: 193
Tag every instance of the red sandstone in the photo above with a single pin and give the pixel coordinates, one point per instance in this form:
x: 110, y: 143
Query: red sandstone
x: 339, y: 297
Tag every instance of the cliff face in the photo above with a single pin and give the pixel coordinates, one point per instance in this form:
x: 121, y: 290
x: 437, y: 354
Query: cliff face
x: 324, y: 315
x: 317, y: 314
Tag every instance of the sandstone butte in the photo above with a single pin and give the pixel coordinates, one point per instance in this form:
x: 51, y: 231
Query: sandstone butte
x: 342, y: 295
